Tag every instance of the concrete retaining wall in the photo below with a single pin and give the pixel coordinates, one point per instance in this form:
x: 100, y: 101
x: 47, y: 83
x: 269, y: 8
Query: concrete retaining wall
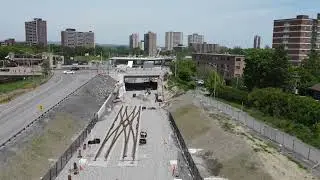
x: 105, y: 105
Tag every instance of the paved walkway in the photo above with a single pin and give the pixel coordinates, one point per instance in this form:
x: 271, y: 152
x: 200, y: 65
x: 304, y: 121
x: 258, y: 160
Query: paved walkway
x: 153, y: 158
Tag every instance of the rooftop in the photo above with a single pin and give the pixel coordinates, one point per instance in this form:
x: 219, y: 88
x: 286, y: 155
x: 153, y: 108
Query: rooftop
x: 217, y: 54
x: 143, y: 58
x: 315, y: 87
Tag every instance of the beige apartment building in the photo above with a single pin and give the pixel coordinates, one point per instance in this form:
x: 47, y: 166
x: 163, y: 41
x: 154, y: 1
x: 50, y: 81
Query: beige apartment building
x: 227, y: 65
x: 173, y: 39
x: 204, y: 47
x: 134, y: 41
x: 73, y: 38
x: 150, y: 43
x: 195, y: 38
x: 36, y: 32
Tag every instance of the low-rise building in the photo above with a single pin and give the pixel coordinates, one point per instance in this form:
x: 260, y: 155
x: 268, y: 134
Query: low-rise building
x: 73, y: 38
x: 227, y: 65
x: 204, y: 47
x: 8, y: 42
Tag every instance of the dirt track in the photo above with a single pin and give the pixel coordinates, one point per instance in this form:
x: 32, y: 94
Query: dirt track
x: 229, y: 150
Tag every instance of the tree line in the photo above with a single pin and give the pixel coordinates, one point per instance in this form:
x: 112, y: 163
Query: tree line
x: 268, y: 86
x: 68, y: 52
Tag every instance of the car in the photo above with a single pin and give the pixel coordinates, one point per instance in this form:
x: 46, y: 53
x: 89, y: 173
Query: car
x: 68, y: 72
x: 200, y: 82
x: 75, y: 68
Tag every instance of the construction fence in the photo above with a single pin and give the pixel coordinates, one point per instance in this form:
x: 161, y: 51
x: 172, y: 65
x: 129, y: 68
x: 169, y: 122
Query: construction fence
x: 61, y: 162
x: 66, y: 156
x: 303, y: 150
x: 184, y: 150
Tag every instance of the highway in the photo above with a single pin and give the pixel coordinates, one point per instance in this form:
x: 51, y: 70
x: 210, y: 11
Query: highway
x: 19, y: 112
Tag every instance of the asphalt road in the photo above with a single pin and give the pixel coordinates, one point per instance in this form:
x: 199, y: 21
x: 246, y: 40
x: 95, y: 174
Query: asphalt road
x: 18, y: 113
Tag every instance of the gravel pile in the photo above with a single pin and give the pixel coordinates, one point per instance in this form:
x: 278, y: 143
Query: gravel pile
x: 101, y: 86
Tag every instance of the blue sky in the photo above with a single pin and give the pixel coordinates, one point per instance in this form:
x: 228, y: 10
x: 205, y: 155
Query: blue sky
x: 227, y: 22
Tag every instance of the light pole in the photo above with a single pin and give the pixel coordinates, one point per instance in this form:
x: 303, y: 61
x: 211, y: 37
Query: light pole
x: 215, y: 82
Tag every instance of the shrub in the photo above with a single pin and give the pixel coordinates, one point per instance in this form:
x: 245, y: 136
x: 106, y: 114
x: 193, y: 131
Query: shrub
x: 232, y: 94
x: 275, y: 102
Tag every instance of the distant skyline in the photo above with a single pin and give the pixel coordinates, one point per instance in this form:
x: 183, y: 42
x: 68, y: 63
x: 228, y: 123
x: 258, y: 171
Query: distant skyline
x: 228, y: 22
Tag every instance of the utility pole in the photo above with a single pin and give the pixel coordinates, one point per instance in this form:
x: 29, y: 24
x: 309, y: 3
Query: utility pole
x: 237, y: 82
x: 215, y: 86
x: 108, y: 63
x: 175, y: 66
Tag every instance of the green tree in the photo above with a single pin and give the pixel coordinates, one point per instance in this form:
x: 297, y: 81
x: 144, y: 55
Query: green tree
x: 45, y: 67
x: 278, y: 69
x: 213, y: 81
x: 309, y: 72
x: 186, y: 69
x: 266, y: 68
x: 237, y: 50
x: 136, y: 51
x: 256, y: 68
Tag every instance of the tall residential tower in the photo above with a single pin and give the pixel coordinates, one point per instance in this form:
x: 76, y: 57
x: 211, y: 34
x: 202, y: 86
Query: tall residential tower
x: 150, y: 43
x: 173, y: 39
x: 134, y: 41
x: 257, y: 42
x: 195, y: 38
x: 298, y: 36
x: 36, y: 32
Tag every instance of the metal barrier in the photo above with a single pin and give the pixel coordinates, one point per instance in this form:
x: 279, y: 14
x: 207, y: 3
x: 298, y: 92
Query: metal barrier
x: 185, y: 151
x: 54, y: 171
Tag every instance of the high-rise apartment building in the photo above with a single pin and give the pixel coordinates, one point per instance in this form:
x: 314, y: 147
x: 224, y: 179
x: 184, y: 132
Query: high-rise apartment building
x: 173, y: 39
x: 134, y: 41
x: 150, y: 44
x: 195, y: 38
x: 141, y: 45
x: 36, y: 32
x: 257, y: 42
x: 298, y: 36
x: 73, y: 38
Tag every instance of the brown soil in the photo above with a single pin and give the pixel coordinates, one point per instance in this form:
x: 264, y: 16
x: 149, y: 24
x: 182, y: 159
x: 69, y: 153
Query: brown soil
x: 229, y: 150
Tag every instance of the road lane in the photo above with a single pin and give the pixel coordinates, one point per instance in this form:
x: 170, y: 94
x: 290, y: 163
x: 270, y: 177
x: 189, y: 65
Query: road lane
x: 18, y: 113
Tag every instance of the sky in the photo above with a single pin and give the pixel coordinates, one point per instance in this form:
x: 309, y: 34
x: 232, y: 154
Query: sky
x: 226, y: 22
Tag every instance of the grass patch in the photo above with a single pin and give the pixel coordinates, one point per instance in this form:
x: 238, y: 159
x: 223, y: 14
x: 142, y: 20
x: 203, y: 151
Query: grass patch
x: 30, y: 82
x: 244, y: 166
x: 180, y: 84
x: 297, y: 162
x: 228, y: 127
x: 191, y: 121
x: 10, y: 90
x: 31, y: 162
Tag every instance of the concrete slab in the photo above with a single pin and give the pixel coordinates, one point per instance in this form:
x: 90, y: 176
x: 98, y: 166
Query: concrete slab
x: 153, y: 158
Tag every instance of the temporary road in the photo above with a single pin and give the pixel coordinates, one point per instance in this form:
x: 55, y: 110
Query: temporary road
x: 120, y: 158
x: 16, y: 114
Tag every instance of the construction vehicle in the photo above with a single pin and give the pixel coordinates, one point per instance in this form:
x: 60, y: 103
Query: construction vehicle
x: 143, y: 138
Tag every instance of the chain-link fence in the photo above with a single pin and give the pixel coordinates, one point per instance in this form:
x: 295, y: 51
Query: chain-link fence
x: 66, y: 156
x: 54, y: 171
x: 184, y: 150
x: 287, y: 141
